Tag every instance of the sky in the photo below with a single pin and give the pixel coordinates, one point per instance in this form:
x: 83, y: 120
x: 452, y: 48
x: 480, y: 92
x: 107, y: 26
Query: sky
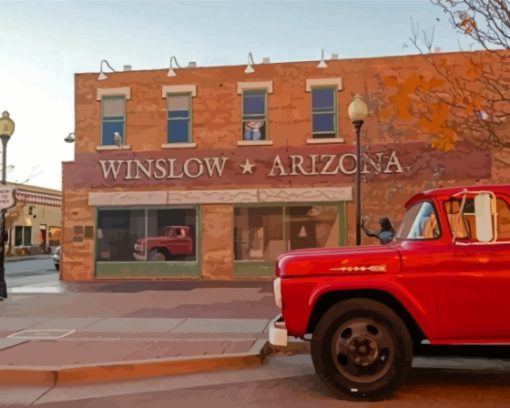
x: 43, y: 44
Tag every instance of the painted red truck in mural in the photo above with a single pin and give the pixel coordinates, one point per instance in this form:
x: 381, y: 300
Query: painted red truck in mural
x: 443, y: 280
x: 176, y: 241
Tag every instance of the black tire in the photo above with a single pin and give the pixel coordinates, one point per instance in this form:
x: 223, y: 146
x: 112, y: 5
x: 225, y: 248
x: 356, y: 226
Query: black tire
x: 159, y: 255
x: 57, y: 266
x: 361, y: 350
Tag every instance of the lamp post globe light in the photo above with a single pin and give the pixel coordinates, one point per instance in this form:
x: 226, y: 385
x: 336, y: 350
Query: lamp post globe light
x: 357, y: 112
x: 6, y: 131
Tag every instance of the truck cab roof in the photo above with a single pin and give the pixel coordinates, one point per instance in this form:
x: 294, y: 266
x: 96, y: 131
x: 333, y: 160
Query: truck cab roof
x: 449, y: 191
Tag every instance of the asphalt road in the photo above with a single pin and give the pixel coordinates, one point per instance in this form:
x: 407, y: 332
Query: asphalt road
x: 284, y: 381
x: 38, y: 273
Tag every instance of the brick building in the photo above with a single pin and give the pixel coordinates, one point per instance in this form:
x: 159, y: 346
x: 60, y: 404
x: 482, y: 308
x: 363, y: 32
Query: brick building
x: 34, y: 224
x: 251, y: 164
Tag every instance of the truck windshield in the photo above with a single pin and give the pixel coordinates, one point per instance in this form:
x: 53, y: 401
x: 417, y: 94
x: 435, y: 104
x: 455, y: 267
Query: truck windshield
x: 420, y: 222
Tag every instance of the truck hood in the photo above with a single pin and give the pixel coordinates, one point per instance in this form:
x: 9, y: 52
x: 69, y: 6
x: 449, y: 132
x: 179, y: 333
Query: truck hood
x: 339, y: 261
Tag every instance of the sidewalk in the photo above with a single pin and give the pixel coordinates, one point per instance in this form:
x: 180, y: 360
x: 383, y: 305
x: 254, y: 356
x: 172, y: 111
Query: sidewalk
x: 122, y: 330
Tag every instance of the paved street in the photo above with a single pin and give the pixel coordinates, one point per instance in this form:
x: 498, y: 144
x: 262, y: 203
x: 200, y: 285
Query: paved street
x: 32, y: 275
x: 284, y: 381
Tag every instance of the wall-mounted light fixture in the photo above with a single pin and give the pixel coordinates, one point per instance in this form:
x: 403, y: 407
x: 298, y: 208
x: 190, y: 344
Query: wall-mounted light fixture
x: 249, y: 68
x: 171, y: 71
x: 69, y: 138
x: 322, y: 63
x: 102, y: 76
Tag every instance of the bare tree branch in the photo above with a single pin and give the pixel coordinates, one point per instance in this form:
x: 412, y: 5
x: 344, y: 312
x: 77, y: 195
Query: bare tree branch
x: 476, y: 87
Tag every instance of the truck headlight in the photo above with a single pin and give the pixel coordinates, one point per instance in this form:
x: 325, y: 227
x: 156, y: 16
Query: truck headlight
x: 277, y: 286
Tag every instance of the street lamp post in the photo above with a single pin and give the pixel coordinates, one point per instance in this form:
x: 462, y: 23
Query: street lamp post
x: 357, y: 112
x: 6, y: 131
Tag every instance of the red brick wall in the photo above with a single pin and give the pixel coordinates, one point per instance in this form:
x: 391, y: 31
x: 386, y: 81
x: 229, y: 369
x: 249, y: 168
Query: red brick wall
x: 216, y: 125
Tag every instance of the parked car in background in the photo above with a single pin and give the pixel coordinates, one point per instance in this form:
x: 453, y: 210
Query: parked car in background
x: 56, y: 258
x: 175, y: 241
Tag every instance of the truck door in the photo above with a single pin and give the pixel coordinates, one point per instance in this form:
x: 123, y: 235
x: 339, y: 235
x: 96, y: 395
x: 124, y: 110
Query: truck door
x: 474, y: 286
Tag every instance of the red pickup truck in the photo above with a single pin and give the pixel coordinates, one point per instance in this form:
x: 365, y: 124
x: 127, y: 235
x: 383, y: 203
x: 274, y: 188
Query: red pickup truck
x: 175, y: 241
x: 444, y: 280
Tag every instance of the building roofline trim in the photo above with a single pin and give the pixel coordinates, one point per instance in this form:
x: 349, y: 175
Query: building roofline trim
x: 309, y: 62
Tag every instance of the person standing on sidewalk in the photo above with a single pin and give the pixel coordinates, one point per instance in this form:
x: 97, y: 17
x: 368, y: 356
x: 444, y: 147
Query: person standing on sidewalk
x: 386, y: 233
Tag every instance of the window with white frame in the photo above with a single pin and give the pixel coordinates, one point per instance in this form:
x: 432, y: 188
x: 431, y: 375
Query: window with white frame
x: 324, y: 112
x: 254, y: 114
x: 113, y: 118
x: 179, y: 117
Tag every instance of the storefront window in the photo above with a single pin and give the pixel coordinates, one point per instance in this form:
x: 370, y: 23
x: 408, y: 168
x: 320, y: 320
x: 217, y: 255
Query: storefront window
x: 146, y: 235
x: 261, y: 234
x: 311, y: 227
x: 171, y: 235
x: 258, y: 233
x: 117, y: 233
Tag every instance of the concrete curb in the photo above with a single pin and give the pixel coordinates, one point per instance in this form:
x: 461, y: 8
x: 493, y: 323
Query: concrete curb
x: 26, y: 258
x: 292, y: 348
x: 129, y: 370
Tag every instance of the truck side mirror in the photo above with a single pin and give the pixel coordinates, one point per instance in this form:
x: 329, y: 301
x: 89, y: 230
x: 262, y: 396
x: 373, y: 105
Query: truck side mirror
x: 483, y: 217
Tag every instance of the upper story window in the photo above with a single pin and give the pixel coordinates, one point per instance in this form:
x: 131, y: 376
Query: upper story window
x: 113, y: 118
x: 179, y: 118
x: 179, y: 115
x: 324, y: 106
x: 254, y: 114
x: 324, y: 113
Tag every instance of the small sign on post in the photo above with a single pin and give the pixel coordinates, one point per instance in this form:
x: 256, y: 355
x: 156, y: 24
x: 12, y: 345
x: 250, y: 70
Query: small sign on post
x: 7, y: 199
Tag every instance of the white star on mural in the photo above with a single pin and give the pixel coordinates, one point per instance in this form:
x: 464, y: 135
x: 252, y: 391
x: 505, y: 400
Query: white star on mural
x: 247, y: 166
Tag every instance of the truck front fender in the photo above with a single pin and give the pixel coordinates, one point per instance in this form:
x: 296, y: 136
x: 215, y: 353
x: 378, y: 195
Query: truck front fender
x: 309, y: 298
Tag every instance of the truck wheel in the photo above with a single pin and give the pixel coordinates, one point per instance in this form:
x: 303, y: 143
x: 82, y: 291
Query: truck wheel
x: 157, y: 255
x: 361, y: 350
